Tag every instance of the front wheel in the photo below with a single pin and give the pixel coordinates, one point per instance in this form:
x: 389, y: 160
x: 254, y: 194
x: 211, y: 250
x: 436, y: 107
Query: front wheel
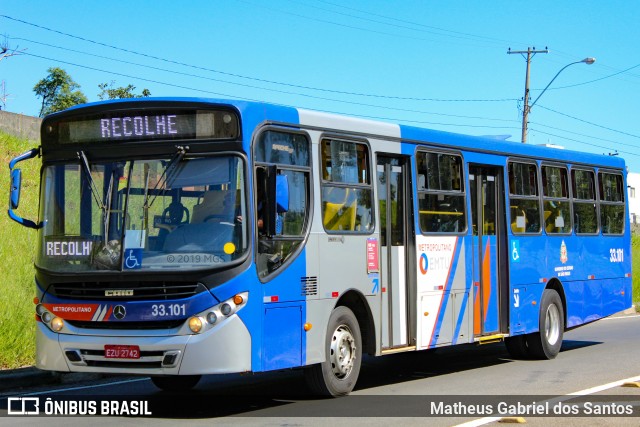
x: 337, y: 375
x: 547, y: 342
x: 176, y: 383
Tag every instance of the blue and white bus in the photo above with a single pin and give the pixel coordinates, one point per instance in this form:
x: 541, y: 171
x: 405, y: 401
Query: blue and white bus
x: 187, y: 237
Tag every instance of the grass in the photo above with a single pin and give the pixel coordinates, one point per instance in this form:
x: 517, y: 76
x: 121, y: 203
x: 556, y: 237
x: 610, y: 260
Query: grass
x: 17, y: 250
x: 17, y: 243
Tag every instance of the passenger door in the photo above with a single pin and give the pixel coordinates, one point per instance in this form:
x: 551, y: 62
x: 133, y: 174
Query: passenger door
x: 490, y: 276
x: 393, y: 200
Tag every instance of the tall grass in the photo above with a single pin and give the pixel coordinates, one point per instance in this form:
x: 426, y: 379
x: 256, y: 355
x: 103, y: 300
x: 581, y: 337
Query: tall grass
x: 17, y: 250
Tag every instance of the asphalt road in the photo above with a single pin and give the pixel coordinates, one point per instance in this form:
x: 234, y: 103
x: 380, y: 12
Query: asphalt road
x: 595, y: 360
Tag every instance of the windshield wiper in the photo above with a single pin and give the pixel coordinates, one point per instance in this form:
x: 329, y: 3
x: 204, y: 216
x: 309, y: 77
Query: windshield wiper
x: 94, y: 188
x: 105, y: 205
x: 167, y: 175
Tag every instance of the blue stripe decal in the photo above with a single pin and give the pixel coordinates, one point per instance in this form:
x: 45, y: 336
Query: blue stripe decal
x: 447, y: 291
x: 461, y: 316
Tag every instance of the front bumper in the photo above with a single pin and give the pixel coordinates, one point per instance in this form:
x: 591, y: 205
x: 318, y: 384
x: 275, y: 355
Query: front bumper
x: 225, y: 348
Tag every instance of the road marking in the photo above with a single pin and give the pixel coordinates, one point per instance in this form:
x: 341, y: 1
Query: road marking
x: 603, y: 387
x: 58, y: 390
x: 585, y: 392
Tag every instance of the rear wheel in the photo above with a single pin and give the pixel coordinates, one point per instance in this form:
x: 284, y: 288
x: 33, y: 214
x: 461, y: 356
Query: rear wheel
x: 337, y: 375
x: 176, y: 383
x: 547, y: 342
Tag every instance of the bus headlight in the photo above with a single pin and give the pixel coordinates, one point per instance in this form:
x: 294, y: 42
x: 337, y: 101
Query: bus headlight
x: 40, y: 310
x: 57, y: 324
x: 46, y: 317
x: 200, y: 323
x: 226, y: 309
x: 195, y: 324
x: 211, y: 317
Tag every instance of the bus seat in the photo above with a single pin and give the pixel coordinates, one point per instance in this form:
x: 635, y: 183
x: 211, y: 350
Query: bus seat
x: 337, y: 217
x: 421, y: 182
x: 212, y: 204
x: 548, y: 226
x: 515, y: 213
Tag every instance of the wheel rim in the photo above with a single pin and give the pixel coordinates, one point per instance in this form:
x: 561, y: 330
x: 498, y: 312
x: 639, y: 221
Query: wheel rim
x: 343, y: 351
x: 552, y: 330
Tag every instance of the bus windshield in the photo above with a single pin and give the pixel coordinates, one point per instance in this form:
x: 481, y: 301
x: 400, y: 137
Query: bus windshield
x: 160, y: 214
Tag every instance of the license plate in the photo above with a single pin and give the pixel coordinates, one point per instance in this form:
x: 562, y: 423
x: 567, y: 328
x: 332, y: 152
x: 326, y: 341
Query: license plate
x: 122, y: 352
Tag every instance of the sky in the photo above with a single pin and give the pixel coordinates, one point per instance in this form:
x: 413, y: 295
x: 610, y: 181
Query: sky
x: 435, y: 64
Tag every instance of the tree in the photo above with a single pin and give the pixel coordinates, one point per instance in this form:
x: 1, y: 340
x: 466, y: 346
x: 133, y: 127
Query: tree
x: 6, y: 51
x: 109, y: 92
x: 58, y: 92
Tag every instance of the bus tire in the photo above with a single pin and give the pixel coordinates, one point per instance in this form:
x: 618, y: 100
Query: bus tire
x: 176, y: 383
x: 517, y: 347
x: 547, y: 342
x: 337, y: 375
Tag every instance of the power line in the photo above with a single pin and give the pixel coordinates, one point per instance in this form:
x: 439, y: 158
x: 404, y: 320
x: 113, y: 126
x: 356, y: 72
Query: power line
x: 352, y: 27
x: 386, y: 107
x: 328, y: 99
x: 248, y: 77
x: 226, y: 95
x: 586, y: 136
x: 589, y: 123
x: 290, y: 85
x: 425, y: 28
x: 418, y: 24
x: 595, y: 80
x: 582, y: 142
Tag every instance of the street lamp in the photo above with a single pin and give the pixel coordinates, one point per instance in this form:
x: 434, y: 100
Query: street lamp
x: 527, y: 108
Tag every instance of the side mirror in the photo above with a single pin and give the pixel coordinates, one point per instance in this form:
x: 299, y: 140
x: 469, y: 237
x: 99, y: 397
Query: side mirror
x: 16, y: 181
x: 16, y: 184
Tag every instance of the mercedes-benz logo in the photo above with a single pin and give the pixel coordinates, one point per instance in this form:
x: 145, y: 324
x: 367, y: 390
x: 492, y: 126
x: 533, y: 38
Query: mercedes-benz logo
x: 119, y: 312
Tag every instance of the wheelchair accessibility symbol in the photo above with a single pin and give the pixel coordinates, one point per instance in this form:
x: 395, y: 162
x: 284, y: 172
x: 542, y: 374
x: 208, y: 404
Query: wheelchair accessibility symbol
x: 133, y: 258
x: 515, y: 251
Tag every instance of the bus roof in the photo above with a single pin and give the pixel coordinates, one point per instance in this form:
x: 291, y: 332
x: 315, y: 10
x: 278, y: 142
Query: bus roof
x: 263, y: 111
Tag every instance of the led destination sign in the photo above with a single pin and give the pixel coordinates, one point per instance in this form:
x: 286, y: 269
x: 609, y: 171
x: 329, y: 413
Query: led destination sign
x: 143, y: 125
x: 131, y: 127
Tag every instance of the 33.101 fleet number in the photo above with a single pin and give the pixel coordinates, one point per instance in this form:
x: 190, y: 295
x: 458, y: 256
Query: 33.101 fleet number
x: 162, y: 310
x: 616, y: 255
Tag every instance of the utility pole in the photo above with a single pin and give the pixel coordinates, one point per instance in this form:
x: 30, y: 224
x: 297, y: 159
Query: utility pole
x: 3, y: 96
x: 531, y: 52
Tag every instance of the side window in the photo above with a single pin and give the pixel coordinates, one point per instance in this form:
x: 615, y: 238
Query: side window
x: 611, y: 203
x: 585, y: 216
x: 441, y: 200
x: 283, y: 171
x: 524, y: 198
x: 557, y: 210
x: 346, y: 187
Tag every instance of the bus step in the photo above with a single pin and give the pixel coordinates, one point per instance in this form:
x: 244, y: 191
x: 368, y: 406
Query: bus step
x: 490, y: 339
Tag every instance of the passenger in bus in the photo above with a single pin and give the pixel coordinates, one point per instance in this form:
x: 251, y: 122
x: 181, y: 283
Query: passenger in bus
x: 260, y: 221
x: 533, y: 220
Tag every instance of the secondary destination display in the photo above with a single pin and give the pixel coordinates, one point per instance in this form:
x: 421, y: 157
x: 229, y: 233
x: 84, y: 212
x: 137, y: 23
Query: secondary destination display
x: 143, y: 125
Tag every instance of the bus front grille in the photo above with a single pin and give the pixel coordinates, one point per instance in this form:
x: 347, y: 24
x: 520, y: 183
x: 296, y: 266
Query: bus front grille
x: 149, y: 325
x: 137, y: 291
